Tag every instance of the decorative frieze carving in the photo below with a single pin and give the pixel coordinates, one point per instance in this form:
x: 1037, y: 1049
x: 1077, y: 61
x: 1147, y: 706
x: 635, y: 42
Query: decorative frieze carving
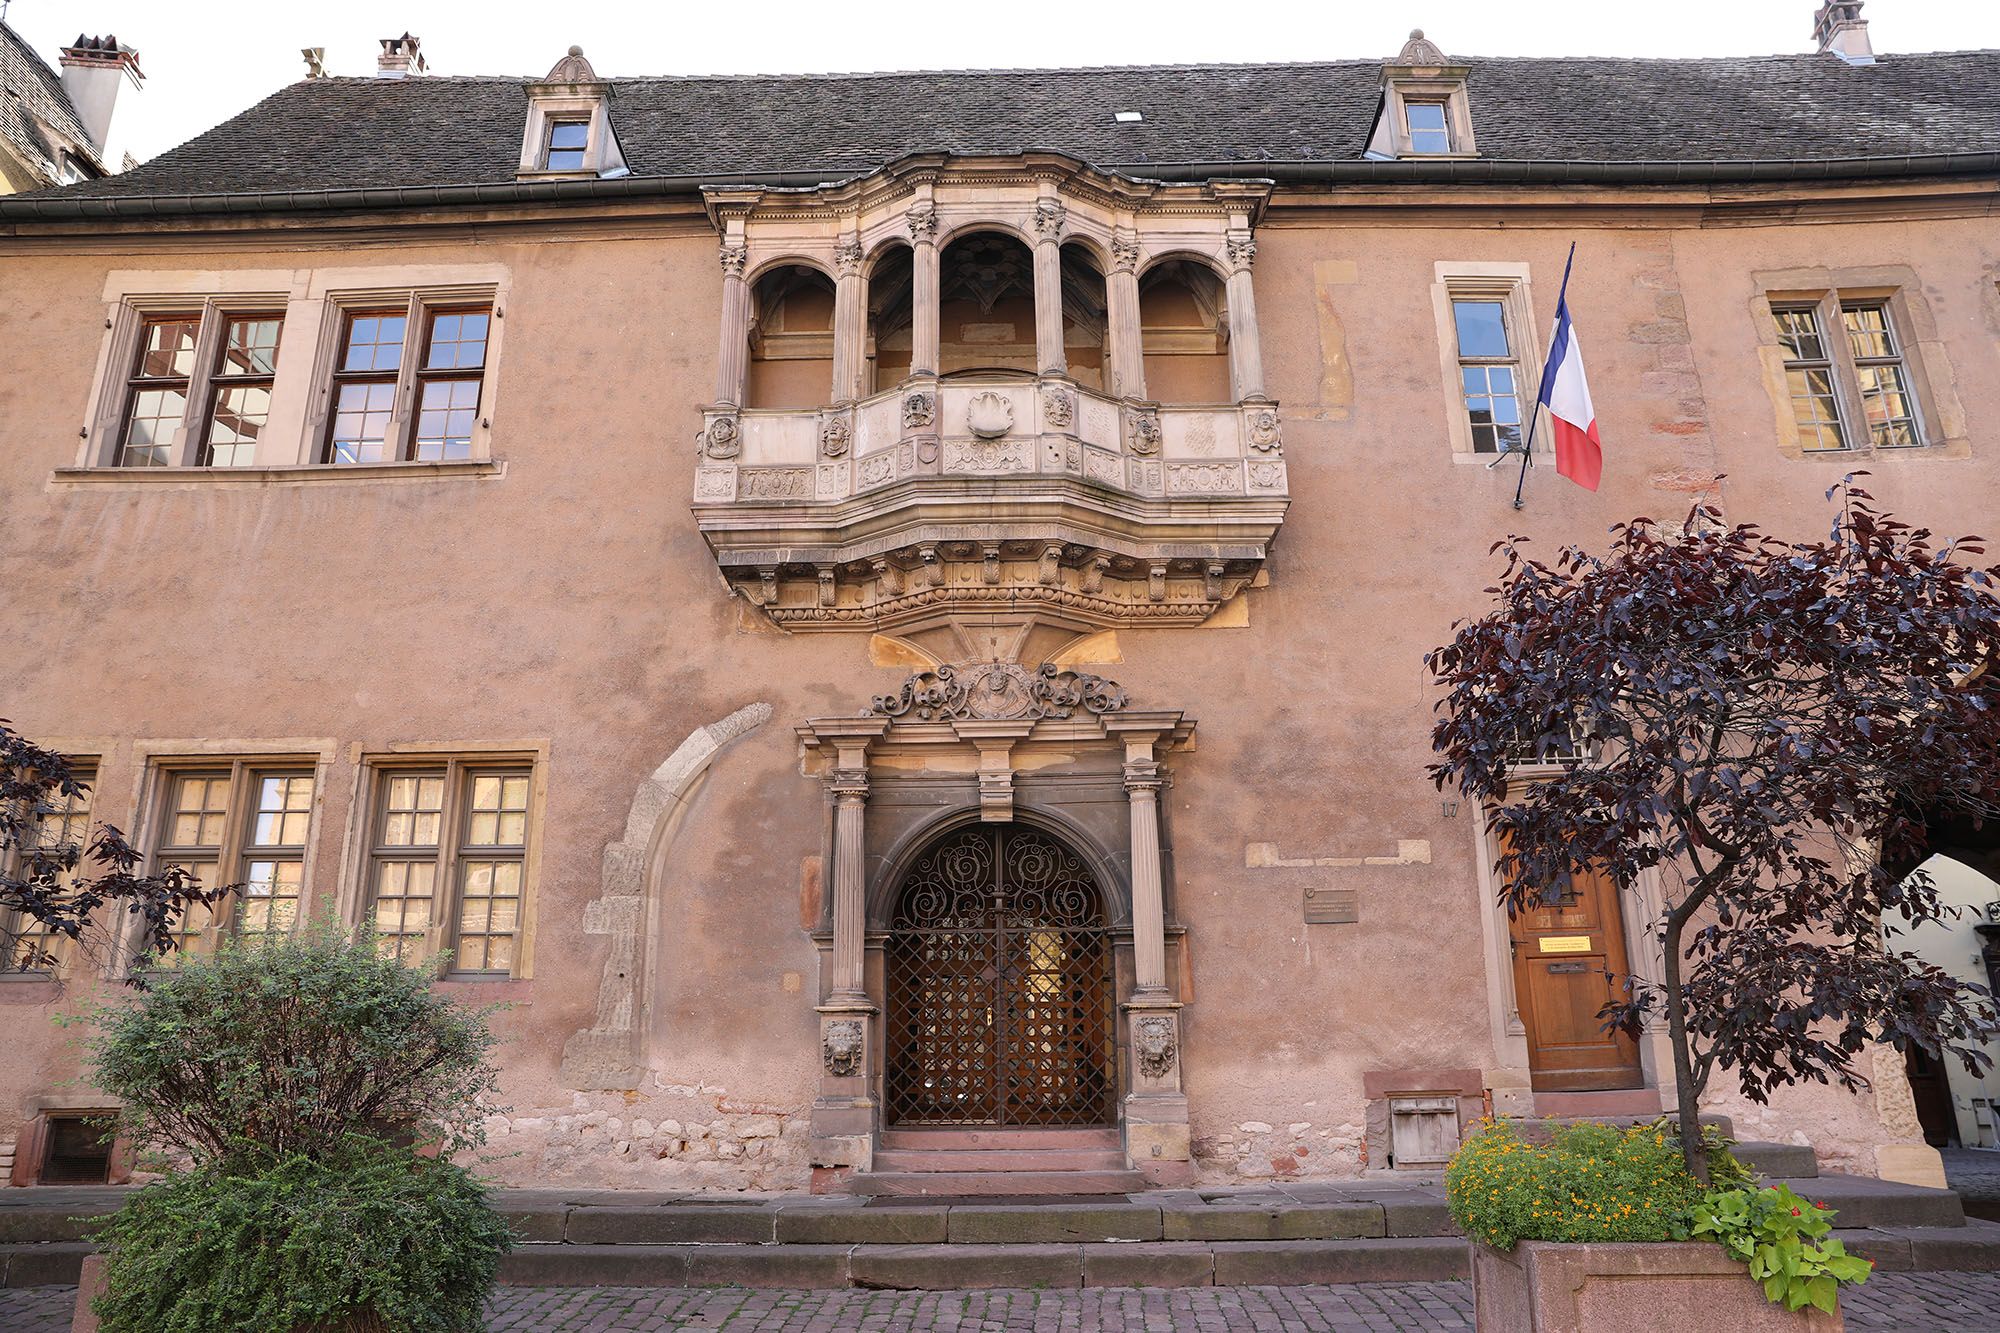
x: 1059, y: 408
x: 835, y: 435
x: 715, y: 483
x: 1154, y: 1045
x: 776, y: 483
x: 1049, y: 219
x: 724, y: 438
x: 1202, y: 478
x: 1000, y: 691
x: 843, y: 1043
x: 919, y: 411
x: 878, y: 469
x: 1265, y: 433
x: 1200, y: 437
x: 987, y: 456
x: 989, y: 415
x: 1267, y: 476
x: 733, y: 258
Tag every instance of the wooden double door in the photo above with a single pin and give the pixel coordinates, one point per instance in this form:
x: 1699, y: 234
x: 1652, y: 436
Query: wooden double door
x: 1570, y: 960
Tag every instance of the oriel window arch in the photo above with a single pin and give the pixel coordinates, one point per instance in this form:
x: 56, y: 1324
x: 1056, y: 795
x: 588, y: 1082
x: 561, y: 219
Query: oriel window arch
x: 949, y: 285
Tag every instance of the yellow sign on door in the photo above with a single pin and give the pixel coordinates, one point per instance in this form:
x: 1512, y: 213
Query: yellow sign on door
x: 1564, y: 943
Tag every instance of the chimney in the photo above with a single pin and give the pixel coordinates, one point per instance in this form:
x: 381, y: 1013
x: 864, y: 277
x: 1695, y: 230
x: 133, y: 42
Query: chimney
x: 400, y: 58
x: 95, y: 70
x: 1840, y: 30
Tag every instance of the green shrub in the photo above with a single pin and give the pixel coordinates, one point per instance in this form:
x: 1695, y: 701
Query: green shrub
x: 1783, y: 1238
x: 1587, y: 1183
x: 366, y: 1236
x: 269, y: 1049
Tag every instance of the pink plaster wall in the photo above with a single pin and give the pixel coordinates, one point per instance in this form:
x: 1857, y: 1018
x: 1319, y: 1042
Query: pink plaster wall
x: 573, y: 602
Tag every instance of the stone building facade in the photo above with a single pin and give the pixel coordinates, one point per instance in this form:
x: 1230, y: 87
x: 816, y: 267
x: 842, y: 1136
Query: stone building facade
x: 878, y: 611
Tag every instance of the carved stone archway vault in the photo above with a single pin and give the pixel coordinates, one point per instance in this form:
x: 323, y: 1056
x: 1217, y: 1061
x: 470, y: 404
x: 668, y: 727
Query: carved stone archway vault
x: 993, y: 742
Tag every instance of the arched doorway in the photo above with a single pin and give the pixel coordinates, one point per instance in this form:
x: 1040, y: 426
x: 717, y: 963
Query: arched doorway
x: 998, y: 974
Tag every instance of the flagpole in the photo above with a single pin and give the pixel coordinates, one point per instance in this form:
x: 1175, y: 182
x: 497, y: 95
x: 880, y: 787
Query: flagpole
x: 1535, y: 414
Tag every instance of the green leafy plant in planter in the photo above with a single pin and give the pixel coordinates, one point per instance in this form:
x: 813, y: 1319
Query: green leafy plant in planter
x: 1783, y: 1238
x: 1588, y: 1182
x: 315, y: 1092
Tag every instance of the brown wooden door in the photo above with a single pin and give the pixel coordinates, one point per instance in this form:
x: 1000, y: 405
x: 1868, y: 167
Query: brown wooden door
x: 1562, y: 954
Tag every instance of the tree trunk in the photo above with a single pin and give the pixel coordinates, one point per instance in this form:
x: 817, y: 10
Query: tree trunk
x: 1693, y: 1151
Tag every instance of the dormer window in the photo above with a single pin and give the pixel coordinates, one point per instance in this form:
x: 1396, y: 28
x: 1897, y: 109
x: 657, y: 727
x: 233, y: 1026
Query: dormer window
x: 569, y: 129
x: 567, y: 145
x: 1425, y: 110
x: 1429, y: 127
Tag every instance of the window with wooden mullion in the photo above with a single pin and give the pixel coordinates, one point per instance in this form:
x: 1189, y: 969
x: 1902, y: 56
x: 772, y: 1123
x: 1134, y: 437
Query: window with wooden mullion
x: 244, y: 825
x: 448, y: 382
x: 1887, y: 412
x: 367, y: 371
x: 239, y: 389
x: 448, y: 864
x: 158, y: 389
x: 26, y: 943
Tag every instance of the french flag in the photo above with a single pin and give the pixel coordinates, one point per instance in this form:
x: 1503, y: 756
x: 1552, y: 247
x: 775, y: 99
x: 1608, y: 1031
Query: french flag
x: 1566, y: 393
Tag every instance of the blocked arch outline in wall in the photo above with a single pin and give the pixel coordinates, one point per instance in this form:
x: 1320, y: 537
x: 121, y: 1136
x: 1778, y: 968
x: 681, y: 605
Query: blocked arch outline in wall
x: 609, y: 1055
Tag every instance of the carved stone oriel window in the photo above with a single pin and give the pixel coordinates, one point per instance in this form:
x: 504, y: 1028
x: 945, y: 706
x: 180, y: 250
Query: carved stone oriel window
x: 1035, y: 475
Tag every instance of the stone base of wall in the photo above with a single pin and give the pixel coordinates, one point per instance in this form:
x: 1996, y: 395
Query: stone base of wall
x: 680, y: 1139
x: 1542, y: 1287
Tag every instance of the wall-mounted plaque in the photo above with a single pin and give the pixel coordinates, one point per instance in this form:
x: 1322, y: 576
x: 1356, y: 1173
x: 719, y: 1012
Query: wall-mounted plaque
x: 1332, y: 907
x: 1564, y: 943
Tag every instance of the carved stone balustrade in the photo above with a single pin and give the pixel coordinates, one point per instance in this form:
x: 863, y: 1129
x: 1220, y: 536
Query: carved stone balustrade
x: 943, y: 498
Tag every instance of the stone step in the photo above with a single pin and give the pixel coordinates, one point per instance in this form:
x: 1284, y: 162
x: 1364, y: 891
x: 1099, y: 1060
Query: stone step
x: 1789, y: 1161
x: 960, y: 1137
x: 999, y: 1159
x: 951, y: 1267
x: 985, y: 1184
x: 1643, y: 1102
x: 1863, y: 1201
x: 1974, y: 1247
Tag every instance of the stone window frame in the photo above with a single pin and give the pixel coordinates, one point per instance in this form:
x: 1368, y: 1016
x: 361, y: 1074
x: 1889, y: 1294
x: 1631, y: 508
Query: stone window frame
x: 85, y: 769
x: 1448, y: 90
x: 312, y: 302
x: 1941, y: 425
x: 458, y: 764
x: 1511, y: 284
x: 420, y: 306
x: 600, y: 153
x: 128, y: 324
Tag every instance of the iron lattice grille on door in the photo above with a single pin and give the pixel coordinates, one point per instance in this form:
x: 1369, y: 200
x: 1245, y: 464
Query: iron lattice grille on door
x: 999, y: 985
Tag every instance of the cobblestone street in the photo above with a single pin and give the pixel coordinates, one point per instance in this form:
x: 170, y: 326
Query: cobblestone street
x: 1889, y: 1303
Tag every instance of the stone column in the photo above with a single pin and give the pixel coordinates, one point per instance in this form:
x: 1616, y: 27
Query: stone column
x: 850, y: 319
x: 1149, y: 918
x: 1246, y: 355
x: 1128, y: 366
x: 850, y: 886
x: 1049, y: 357
x: 732, y: 359
x: 924, y: 291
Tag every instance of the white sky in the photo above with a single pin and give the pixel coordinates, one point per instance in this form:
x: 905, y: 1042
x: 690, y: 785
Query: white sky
x: 205, y: 60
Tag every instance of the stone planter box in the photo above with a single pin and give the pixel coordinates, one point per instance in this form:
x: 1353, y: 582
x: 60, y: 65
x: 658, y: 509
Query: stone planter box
x: 1544, y: 1287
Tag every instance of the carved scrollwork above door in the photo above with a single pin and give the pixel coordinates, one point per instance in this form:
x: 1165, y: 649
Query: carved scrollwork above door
x: 1000, y: 691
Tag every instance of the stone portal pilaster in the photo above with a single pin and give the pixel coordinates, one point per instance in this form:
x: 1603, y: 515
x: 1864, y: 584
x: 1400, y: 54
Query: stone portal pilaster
x: 1049, y: 219
x: 845, y: 1112
x: 1121, y: 287
x: 732, y: 360
x: 1246, y: 357
x: 1156, y: 1112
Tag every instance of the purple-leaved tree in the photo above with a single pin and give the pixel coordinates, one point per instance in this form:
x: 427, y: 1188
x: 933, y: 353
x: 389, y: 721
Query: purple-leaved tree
x: 1767, y: 725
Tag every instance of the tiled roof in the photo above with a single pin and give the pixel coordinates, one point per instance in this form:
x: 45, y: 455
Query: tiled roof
x: 31, y: 97
x: 331, y: 134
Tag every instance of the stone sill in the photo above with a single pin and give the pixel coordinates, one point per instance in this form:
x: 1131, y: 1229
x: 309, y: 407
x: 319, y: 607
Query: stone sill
x: 277, y: 474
